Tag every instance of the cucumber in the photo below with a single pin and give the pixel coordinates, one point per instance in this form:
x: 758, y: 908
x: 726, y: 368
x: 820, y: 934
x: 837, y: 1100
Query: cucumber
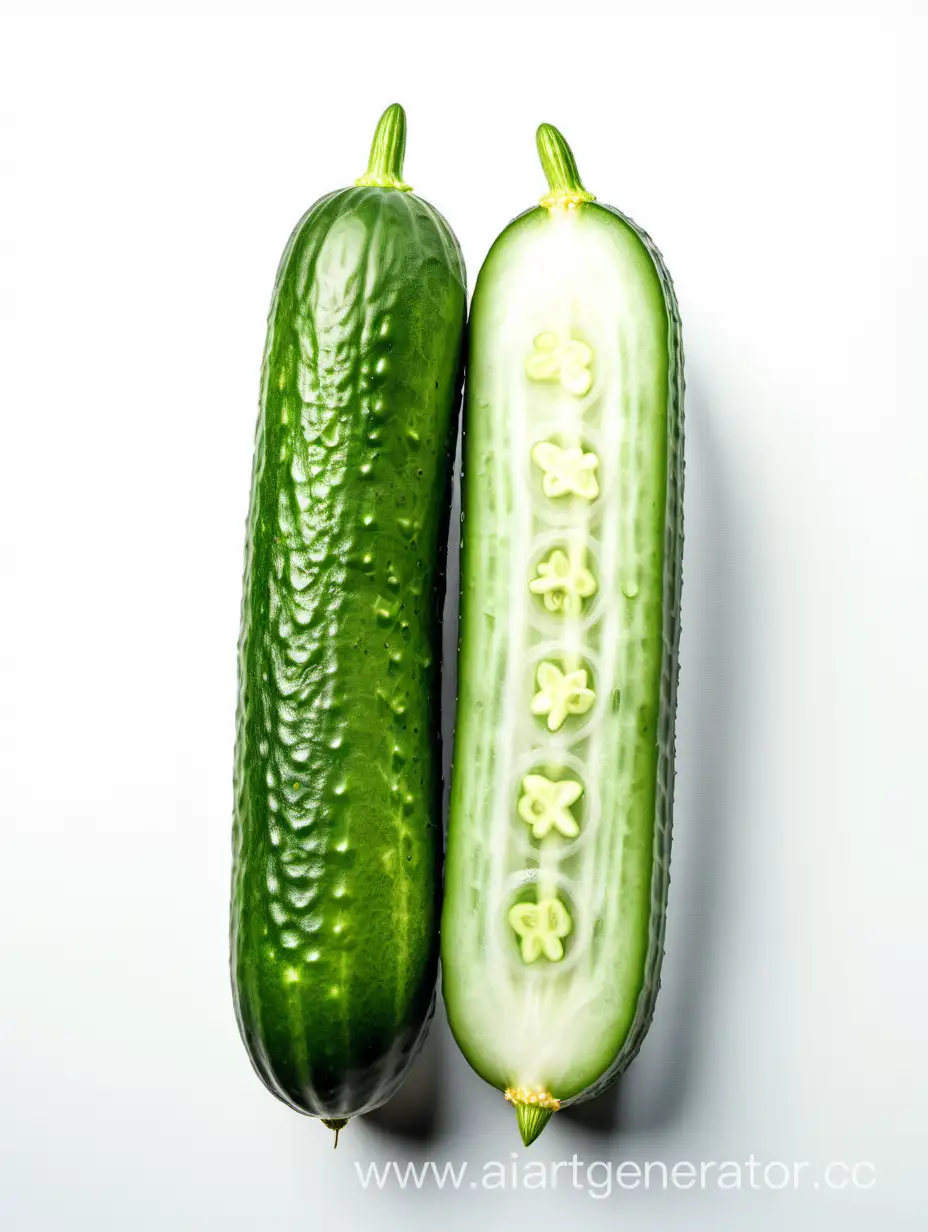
x: 562, y: 786
x: 337, y: 827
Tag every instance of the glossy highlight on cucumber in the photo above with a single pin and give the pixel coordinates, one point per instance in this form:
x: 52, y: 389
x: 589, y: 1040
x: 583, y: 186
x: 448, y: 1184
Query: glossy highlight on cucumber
x: 337, y: 829
x: 572, y: 534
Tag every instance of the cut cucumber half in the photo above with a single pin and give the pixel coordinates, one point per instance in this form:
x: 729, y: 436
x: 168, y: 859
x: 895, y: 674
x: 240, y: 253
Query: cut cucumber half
x: 560, y: 820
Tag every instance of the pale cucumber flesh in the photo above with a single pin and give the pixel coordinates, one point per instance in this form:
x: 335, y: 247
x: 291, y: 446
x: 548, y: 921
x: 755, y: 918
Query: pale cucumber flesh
x: 563, y: 765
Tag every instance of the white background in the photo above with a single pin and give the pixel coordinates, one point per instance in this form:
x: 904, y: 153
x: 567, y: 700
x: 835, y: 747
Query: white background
x: 154, y: 160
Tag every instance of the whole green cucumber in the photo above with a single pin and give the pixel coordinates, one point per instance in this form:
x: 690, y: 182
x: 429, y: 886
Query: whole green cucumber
x: 337, y: 832
x: 562, y: 790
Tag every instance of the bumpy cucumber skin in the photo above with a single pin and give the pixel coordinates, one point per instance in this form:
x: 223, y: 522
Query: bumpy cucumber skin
x: 618, y: 1052
x: 337, y: 835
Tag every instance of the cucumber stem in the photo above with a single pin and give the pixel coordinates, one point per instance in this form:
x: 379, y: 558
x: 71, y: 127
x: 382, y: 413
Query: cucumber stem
x: 335, y: 1123
x: 385, y: 165
x: 532, y: 1121
x: 560, y: 168
x: 534, y: 1109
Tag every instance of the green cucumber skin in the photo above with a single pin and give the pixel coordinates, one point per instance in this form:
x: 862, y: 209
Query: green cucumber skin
x: 609, y: 1056
x: 337, y: 836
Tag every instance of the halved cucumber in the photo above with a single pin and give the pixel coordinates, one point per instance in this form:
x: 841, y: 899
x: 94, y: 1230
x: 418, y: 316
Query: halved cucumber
x: 559, y: 833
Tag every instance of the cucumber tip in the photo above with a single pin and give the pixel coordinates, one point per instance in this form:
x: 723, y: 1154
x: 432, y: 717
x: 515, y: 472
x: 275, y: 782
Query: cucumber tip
x: 337, y: 1124
x: 534, y: 1109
